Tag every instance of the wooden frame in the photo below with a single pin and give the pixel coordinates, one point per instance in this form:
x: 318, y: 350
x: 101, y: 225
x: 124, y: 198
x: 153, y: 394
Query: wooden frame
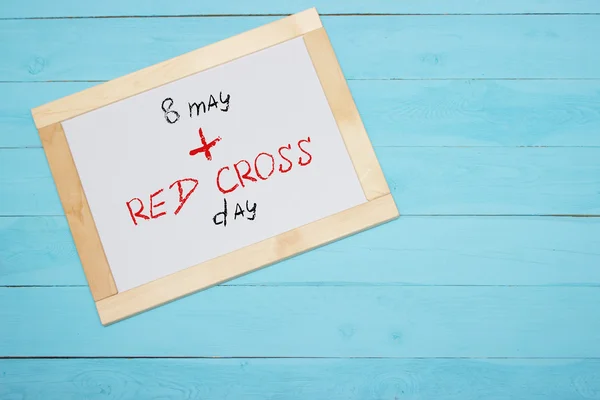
x: 113, y: 306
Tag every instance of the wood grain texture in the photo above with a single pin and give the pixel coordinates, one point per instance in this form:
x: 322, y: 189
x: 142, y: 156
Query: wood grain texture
x: 247, y: 259
x: 351, y: 298
x: 240, y: 321
x: 407, y: 113
x: 480, y: 112
x: 177, y: 68
x: 346, y: 115
x: 38, y: 8
x: 300, y: 379
x: 376, y: 47
x: 474, y: 181
x: 77, y: 211
x: 528, y: 251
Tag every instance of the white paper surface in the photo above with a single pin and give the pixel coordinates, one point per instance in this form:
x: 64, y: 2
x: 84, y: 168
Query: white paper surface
x: 128, y: 150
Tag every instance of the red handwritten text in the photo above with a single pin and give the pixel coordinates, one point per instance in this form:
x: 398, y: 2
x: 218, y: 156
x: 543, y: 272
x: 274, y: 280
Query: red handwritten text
x: 243, y: 172
x: 136, y: 205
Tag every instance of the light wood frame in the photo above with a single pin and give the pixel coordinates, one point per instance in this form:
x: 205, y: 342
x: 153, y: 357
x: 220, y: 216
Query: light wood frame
x: 113, y: 306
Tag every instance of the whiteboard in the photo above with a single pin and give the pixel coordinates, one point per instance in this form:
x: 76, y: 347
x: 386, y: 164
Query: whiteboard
x: 276, y: 152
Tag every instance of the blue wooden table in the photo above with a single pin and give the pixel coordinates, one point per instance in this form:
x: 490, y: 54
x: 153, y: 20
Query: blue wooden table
x: 485, y: 116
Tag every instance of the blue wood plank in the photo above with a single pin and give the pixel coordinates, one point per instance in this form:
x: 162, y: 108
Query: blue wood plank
x: 240, y: 321
x: 494, y: 180
x: 410, y: 251
x: 16, y: 123
x: 480, y: 112
x: 444, y: 180
x: 377, y: 47
x: 39, y: 8
x: 301, y: 379
x: 356, y: 297
x: 407, y: 113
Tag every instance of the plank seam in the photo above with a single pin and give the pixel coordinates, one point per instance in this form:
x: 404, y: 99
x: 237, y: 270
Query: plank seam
x: 282, y: 358
x: 403, y: 215
x: 345, y: 284
x: 249, y: 15
x: 348, y: 79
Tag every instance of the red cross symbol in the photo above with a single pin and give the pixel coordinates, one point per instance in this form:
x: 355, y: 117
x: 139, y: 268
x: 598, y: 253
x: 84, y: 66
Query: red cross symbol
x: 205, y: 148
